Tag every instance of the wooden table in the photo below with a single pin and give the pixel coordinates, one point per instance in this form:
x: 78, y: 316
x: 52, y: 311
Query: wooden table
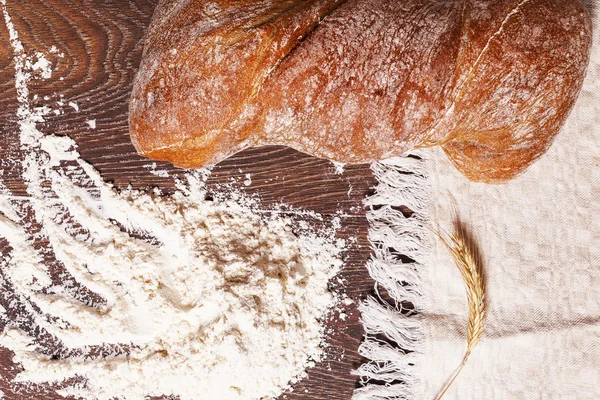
x: 102, y: 42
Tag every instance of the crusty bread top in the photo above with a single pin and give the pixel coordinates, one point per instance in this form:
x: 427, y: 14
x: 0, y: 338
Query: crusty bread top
x: 356, y: 81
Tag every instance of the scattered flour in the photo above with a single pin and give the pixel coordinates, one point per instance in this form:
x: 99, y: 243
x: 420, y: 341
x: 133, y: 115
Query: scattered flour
x: 154, y: 170
x: 248, y: 180
x: 157, y: 295
x: 91, y: 123
x: 74, y: 105
x: 54, y: 50
x: 42, y: 65
x: 339, y: 167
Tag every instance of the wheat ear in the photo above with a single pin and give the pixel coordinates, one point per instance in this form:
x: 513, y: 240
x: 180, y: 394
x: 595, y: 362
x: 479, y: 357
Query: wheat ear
x: 470, y: 264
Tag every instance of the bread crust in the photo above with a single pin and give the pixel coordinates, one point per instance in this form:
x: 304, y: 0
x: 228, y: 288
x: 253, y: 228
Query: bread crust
x: 491, y: 81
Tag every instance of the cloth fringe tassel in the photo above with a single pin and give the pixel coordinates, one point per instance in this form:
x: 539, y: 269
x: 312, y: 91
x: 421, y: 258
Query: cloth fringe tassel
x: 393, y: 332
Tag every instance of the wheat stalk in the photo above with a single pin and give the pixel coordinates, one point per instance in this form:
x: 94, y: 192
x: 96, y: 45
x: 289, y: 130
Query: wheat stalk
x: 470, y: 264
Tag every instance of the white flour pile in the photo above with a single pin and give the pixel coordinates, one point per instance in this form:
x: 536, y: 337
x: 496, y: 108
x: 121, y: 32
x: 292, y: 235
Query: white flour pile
x: 135, y: 294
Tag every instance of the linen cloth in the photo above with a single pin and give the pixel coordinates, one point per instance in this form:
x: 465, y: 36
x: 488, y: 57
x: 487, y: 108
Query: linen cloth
x: 540, y: 237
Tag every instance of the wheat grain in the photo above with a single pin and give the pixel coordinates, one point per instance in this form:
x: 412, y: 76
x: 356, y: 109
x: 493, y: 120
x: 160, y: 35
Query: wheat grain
x: 469, y: 262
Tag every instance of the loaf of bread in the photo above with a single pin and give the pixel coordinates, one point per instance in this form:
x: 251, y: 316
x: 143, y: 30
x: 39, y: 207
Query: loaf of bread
x: 491, y: 81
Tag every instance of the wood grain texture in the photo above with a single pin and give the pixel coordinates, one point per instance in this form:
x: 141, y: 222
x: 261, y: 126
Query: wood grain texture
x: 102, y: 42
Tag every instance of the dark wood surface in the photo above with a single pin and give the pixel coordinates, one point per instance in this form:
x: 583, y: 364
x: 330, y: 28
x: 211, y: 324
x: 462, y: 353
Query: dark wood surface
x: 102, y: 43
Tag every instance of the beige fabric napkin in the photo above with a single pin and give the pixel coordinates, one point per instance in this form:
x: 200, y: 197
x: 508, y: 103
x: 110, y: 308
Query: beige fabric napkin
x: 540, y: 235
